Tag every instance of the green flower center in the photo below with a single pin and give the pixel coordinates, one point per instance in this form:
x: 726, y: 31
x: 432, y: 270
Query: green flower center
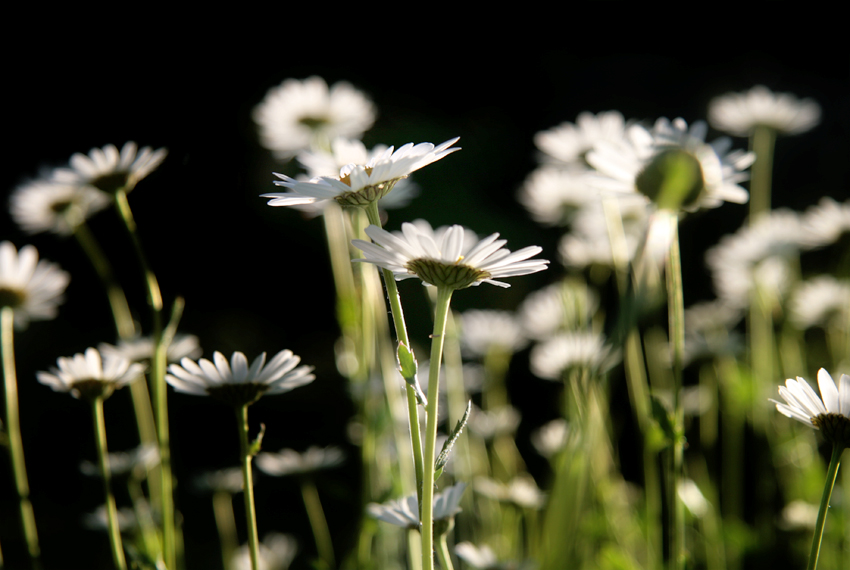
x: 112, y: 182
x: 452, y: 275
x: 365, y: 195
x: 61, y: 206
x: 12, y: 297
x: 314, y: 123
x: 672, y: 180
x: 92, y: 388
x: 834, y: 427
x: 238, y: 394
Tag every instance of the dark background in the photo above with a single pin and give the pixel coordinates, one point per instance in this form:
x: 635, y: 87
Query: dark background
x: 256, y: 278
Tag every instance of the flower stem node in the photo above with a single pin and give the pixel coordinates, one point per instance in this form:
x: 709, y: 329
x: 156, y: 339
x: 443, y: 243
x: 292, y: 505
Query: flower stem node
x: 835, y: 428
x: 673, y: 179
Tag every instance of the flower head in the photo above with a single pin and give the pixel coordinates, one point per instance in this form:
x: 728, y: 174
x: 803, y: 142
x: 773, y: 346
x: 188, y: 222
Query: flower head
x: 485, y: 330
x: 405, y: 512
x: 740, y: 113
x: 276, y: 552
x: 290, y: 462
x: 108, y: 170
x: 32, y: 288
x: 568, y: 143
x: 89, y: 375
x: 552, y: 359
x: 298, y: 115
x: 235, y: 382
x: 831, y: 415
x: 449, y: 257
x: 673, y: 166
x: 140, y: 349
x: 361, y: 184
x: 42, y: 206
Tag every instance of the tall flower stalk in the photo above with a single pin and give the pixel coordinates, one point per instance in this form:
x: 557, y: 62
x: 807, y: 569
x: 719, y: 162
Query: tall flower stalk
x: 103, y: 464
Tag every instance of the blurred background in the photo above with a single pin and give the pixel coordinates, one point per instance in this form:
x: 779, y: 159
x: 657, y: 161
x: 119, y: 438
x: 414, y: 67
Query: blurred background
x: 256, y: 278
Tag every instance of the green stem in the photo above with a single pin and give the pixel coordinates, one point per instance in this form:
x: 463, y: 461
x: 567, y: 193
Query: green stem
x: 318, y: 522
x: 248, y: 483
x: 831, y: 474
x: 225, y: 523
x: 13, y: 434
x: 443, y: 553
x: 111, y: 511
x: 761, y: 143
x: 401, y: 334
x: 676, y: 316
x: 158, y: 365
x: 441, y: 311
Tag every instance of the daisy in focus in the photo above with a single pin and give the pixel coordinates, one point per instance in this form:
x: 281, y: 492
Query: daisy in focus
x: 741, y: 113
x: 829, y: 412
x: 451, y: 257
x: 361, y: 184
x: 33, y: 289
x: 45, y: 206
x: 89, y: 375
x: 109, y: 170
x: 298, y: 115
x: 235, y: 382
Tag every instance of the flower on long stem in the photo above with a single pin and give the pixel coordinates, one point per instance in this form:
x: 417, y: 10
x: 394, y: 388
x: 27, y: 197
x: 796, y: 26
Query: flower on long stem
x: 741, y: 113
x: 46, y: 206
x: 109, y: 170
x: 30, y: 287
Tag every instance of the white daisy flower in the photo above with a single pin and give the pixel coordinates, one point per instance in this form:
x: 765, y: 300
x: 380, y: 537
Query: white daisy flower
x: 553, y: 196
x: 136, y: 462
x: 227, y: 480
x: 490, y: 424
x: 298, y: 115
x: 32, y: 288
x: 568, y: 305
x: 405, y: 512
x: 551, y: 437
x: 277, y: 551
x: 291, y: 462
x: 639, y: 164
x: 521, y: 491
x: 484, y: 330
x: 236, y: 383
x: 553, y: 358
x: 568, y: 143
x: 45, y: 206
x: 108, y: 170
x: 821, y: 301
x: 480, y: 558
x: 361, y: 184
x: 449, y: 256
x: 830, y: 415
x: 589, y: 241
x: 89, y: 375
x: 826, y: 222
x: 140, y: 349
x: 740, y: 113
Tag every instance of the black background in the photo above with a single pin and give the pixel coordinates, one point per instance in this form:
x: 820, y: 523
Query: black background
x: 256, y: 278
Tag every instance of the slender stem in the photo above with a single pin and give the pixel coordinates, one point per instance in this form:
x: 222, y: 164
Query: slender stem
x: 761, y: 143
x: 111, y: 511
x: 318, y: 522
x: 441, y: 311
x: 676, y: 316
x: 831, y: 474
x: 13, y: 434
x: 248, y: 483
x: 225, y: 523
x: 443, y: 553
x: 401, y: 334
x: 158, y: 365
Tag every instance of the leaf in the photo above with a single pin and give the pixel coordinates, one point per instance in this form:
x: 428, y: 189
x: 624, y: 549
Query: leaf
x: 443, y: 458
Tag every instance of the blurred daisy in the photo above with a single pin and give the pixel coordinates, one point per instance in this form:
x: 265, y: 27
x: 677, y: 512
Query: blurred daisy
x: 642, y: 161
x: 405, y: 512
x: 277, y: 551
x: 821, y: 301
x: 45, y: 206
x: 98, y: 520
x: 740, y: 113
x: 140, y: 349
x: 136, y: 462
x: 479, y: 558
x: 236, y: 383
x: 709, y: 330
x: 90, y: 376
x: 303, y: 114
x: 568, y: 143
x: 32, y: 288
x: 109, y: 170
x: 568, y: 305
x: 484, y: 330
x: 830, y: 415
x: 228, y: 480
x: 551, y: 437
x: 291, y: 462
x: 493, y: 423
x: 589, y: 241
x: 521, y: 491
x: 448, y: 257
x: 553, y: 196
x: 826, y: 222
x: 361, y: 184
x: 552, y: 359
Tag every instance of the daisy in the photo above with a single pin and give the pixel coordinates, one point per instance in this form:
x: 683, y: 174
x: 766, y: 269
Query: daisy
x: 480, y: 558
x: 235, y: 382
x: 298, y: 115
x: 32, y: 288
x: 821, y: 301
x: 449, y: 257
x: 484, y: 330
x: 568, y: 143
x: 568, y: 305
x: 553, y: 196
x: 45, y: 206
x: 740, y: 113
x: 589, y: 241
x: 642, y: 162
x: 826, y: 222
x: 405, y: 512
x: 830, y: 415
x: 553, y: 358
x: 361, y: 184
x: 89, y: 375
x: 550, y: 438
x: 490, y: 424
x: 290, y: 462
x: 276, y: 552
x: 109, y: 170
x: 140, y: 349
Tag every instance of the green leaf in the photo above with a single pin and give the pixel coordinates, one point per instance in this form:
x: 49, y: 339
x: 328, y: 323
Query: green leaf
x: 443, y: 458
